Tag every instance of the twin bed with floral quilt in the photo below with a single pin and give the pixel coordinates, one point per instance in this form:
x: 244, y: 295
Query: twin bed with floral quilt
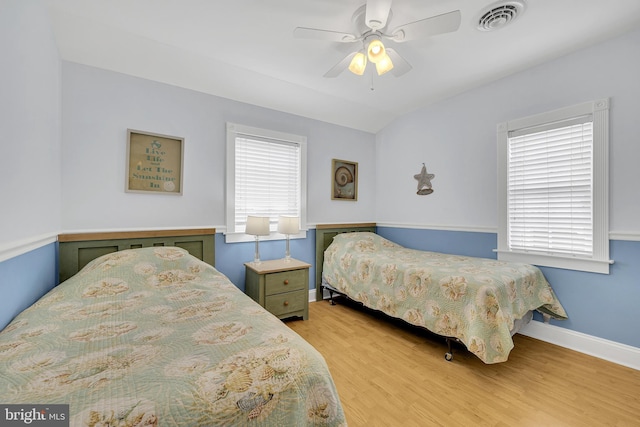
x: 476, y: 301
x: 155, y: 336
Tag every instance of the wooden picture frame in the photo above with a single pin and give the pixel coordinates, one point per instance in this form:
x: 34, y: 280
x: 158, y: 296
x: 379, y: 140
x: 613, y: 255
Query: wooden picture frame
x: 344, y: 180
x: 154, y: 163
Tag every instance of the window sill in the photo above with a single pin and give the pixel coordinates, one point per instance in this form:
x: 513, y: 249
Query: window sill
x: 242, y: 237
x: 569, y: 263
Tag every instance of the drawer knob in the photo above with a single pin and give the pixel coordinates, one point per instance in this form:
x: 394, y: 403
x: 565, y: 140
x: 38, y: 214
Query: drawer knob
x: 286, y: 303
x: 286, y: 281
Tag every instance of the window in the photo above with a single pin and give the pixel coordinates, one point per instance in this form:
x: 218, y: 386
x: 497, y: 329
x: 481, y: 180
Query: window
x: 553, y: 188
x: 266, y: 176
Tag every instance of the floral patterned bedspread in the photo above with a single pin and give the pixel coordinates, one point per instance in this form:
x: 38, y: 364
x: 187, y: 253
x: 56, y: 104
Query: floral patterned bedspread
x: 475, y: 300
x: 154, y: 336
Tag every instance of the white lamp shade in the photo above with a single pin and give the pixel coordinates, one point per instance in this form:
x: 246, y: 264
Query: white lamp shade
x: 384, y: 65
x: 358, y: 64
x: 288, y: 225
x: 376, y: 50
x: 257, y: 225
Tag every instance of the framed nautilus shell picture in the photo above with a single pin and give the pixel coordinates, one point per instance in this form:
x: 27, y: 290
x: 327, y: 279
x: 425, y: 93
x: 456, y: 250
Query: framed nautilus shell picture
x: 344, y: 180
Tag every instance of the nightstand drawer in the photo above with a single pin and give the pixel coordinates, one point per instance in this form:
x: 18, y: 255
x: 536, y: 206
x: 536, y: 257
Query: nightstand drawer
x: 286, y: 281
x: 286, y: 303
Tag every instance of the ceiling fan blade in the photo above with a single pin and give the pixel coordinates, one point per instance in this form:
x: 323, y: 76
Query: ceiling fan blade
x: 340, y: 66
x: 445, y: 23
x: 314, y: 33
x: 400, y: 66
x: 377, y: 13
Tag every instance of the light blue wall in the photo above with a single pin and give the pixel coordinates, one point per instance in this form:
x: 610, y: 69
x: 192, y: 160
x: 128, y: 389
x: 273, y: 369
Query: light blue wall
x: 603, y: 305
x: 24, y: 279
x: 449, y: 242
x: 599, y: 305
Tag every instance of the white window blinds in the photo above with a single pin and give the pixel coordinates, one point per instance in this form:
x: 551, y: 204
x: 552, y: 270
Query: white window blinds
x: 550, y: 204
x: 267, y: 179
x: 266, y: 176
x: 553, y: 188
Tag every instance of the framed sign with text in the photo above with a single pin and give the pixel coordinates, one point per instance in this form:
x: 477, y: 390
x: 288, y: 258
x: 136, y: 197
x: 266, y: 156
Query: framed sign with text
x: 154, y: 163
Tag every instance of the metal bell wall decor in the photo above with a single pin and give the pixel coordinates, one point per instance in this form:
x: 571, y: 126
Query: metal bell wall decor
x: 424, y: 181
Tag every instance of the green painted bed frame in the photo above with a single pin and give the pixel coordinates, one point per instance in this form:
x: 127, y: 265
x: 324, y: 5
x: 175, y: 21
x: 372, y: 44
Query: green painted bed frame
x: 77, y: 250
x: 324, y: 237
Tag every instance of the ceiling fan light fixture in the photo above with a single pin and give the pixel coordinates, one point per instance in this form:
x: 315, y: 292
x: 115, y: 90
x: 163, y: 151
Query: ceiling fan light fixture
x: 370, y: 24
x: 384, y: 65
x: 376, y: 51
x: 358, y: 64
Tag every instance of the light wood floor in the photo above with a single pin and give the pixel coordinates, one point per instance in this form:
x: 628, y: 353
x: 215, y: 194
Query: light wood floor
x: 389, y: 374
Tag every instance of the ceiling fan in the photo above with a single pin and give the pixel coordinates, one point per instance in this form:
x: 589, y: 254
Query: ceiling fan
x: 371, y: 21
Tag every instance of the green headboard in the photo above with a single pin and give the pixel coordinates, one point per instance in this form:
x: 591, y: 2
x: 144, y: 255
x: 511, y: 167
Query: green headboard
x: 324, y: 236
x: 77, y: 250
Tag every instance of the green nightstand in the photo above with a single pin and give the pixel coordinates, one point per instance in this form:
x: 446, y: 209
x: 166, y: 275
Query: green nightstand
x: 282, y: 287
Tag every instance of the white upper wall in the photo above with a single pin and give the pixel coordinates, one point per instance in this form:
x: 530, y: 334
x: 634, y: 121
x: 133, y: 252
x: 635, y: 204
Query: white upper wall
x: 29, y: 123
x: 456, y: 139
x: 99, y: 106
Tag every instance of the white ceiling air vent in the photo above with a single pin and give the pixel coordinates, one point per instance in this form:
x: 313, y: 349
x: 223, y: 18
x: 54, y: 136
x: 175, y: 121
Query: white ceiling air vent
x: 499, y: 14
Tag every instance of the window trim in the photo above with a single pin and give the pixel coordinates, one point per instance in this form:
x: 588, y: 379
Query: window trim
x: 234, y: 130
x: 599, y: 262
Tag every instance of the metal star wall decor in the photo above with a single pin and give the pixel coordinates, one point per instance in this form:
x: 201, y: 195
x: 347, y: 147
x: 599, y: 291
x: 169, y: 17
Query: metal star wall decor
x: 424, y: 181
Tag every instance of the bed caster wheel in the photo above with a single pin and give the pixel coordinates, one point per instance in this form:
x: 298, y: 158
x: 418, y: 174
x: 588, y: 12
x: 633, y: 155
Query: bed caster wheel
x: 448, y: 357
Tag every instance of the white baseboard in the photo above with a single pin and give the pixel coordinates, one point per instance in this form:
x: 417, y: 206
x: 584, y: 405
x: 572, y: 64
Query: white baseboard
x: 612, y: 351
x: 312, y: 295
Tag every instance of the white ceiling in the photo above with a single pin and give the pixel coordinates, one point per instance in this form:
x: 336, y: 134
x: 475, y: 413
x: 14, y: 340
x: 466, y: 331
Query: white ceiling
x: 245, y: 49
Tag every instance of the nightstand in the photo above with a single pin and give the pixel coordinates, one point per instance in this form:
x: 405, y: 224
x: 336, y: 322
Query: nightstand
x: 282, y: 287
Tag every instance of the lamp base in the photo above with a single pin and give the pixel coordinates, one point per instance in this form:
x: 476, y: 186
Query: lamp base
x: 287, y: 256
x: 256, y: 256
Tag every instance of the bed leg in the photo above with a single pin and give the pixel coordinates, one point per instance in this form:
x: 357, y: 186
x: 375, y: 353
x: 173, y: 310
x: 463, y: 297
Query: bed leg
x: 448, y: 356
x: 331, y: 297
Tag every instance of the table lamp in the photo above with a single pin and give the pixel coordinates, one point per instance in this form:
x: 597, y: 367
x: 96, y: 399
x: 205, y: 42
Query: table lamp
x: 257, y: 226
x: 288, y: 225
